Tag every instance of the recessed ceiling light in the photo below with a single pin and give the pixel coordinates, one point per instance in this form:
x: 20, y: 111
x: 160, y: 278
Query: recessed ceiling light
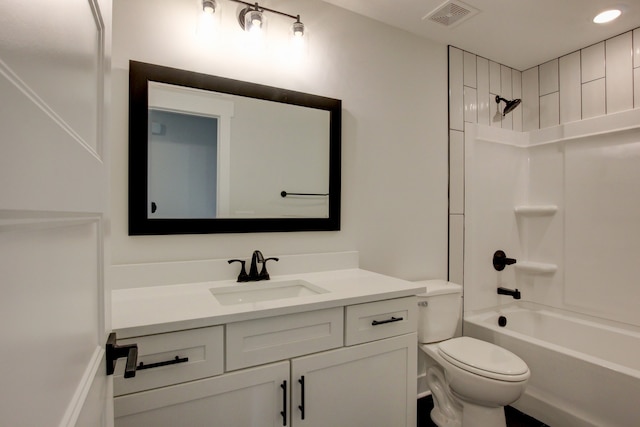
x: 607, y: 16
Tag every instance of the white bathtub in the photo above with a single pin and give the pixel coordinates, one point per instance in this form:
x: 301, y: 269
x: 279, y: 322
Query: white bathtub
x: 584, y: 371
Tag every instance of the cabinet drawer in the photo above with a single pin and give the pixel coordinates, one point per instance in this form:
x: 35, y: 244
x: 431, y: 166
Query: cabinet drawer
x: 199, y: 354
x: 254, y: 342
x: 380, y: 319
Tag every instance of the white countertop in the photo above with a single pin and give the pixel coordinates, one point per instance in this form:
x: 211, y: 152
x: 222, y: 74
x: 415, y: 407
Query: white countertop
x: 152, y: 310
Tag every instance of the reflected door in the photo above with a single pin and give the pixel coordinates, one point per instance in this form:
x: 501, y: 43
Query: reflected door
x: 183, y: 165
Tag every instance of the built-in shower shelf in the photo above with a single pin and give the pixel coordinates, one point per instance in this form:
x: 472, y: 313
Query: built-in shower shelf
x: 536, y: 267
x: 535, y: 210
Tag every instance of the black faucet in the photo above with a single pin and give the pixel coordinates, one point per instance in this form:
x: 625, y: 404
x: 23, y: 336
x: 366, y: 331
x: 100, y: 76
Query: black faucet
x: 514, y: 293
x: 254, y: 275
x: 500, y: 260
x: 243, y: 276
x: 255, y: 259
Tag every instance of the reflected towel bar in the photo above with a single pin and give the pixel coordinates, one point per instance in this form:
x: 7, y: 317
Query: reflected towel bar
x: 285, y: 194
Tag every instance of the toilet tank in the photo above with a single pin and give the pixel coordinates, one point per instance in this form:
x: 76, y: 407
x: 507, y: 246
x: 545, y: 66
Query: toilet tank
x: 439, y: 310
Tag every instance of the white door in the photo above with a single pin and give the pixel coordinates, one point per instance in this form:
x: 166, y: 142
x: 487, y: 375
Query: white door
x: 54, y: 69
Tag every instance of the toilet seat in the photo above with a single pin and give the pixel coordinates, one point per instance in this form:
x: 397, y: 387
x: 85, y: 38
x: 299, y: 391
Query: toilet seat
x: 484, y: 359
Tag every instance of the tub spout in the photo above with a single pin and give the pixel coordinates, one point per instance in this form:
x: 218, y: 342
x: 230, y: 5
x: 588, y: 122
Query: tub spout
x: 514, y: 293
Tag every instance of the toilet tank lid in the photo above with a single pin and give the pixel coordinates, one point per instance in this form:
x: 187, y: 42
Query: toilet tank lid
x: 439, y: 287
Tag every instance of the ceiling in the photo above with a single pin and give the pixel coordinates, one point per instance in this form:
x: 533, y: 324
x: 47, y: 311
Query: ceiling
x: 517, y: 33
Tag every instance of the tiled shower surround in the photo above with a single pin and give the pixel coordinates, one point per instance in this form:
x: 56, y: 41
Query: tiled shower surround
x: 597, y: 80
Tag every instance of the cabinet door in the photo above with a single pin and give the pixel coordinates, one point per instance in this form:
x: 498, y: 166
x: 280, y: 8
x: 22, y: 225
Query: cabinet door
x: 371, y: 385
x: 248, y: 398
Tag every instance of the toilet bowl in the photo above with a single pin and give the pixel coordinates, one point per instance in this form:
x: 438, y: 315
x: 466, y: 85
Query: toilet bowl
x: 470, y: 380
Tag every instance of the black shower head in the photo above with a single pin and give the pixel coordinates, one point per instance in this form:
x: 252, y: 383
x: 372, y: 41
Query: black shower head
x: 510, y: 105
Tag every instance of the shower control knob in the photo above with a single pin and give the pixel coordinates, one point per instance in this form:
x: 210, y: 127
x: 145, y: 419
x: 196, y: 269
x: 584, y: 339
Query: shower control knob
x: 500, y: 260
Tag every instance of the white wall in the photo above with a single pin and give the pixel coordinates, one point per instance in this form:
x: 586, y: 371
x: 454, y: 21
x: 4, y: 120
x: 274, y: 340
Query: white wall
x: 474, y: 82
x: 392, y: 84
x: 588, y: 246
x: 495, y: 182
x: 579, y: 151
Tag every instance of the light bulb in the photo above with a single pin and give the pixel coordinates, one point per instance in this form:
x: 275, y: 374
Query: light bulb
x: 208, y: 7
x: 607, y: 16
x: 207, y: 19
x: 253, y: 21
x: 298, y: 29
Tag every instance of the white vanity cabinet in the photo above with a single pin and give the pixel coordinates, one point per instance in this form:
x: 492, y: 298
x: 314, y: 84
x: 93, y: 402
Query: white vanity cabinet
x: 342, y: 366
x: 370, y: 385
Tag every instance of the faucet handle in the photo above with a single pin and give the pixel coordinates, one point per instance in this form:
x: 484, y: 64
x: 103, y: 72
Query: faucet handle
x: 243, y: 276
x: 500, y: 260
x: 264, y: 275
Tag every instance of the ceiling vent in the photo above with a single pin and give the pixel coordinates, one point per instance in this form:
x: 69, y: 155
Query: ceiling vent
x: 451, y: 13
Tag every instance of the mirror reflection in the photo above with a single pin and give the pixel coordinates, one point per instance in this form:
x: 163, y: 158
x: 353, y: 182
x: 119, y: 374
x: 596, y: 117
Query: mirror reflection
x: 209, y: 155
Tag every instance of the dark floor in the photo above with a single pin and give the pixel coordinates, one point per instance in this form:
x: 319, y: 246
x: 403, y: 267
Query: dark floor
x: 514, y: 417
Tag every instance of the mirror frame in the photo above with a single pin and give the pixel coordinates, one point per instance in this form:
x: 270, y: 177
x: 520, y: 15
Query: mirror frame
x: 140, y: 74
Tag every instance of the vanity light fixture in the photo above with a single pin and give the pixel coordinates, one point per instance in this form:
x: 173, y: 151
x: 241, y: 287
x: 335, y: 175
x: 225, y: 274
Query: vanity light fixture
x: 607, y: 16
x: 207, y: 21
x: 298, y: 28
x: 209, y: 7
x: 252, y: 17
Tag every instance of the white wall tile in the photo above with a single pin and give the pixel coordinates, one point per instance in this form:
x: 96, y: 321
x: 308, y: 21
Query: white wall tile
x: 516, y: 78
x: 549, y: 110
x: 456, y: 95
x: 506, y: 85
x: 570, y: 88
x: 456, y: 172
x: 593, y: 99
x: 636, y: 87
x: 456, y: 249
x: 470, y: 70
x: 506, y: 91
x: 495, y: 117
x: 530, y: 100
x: 470, y: 105
x: 619, y: 69
x: 593, y: 62
x: 548, y: 77
x: 636, y: 48
x: 484, y: 100
x: 494, y: 77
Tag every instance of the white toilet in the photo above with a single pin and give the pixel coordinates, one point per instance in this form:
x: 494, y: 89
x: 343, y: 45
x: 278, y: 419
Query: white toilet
x: 470, y: 380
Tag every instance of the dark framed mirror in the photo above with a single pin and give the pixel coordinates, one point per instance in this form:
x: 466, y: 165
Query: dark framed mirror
x: 209, y: 154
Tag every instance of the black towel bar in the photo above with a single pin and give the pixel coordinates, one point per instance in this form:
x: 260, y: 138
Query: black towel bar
x: 285, y: 194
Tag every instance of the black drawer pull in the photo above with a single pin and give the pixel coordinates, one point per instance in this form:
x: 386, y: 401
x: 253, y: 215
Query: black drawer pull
x: 382, y: 322
x: 301, y: 406
x: 284, y: 402
x: 178, y: 359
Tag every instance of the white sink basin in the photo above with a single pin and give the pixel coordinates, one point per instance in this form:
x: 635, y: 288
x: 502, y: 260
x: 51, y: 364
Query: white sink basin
x: 265, y: 291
